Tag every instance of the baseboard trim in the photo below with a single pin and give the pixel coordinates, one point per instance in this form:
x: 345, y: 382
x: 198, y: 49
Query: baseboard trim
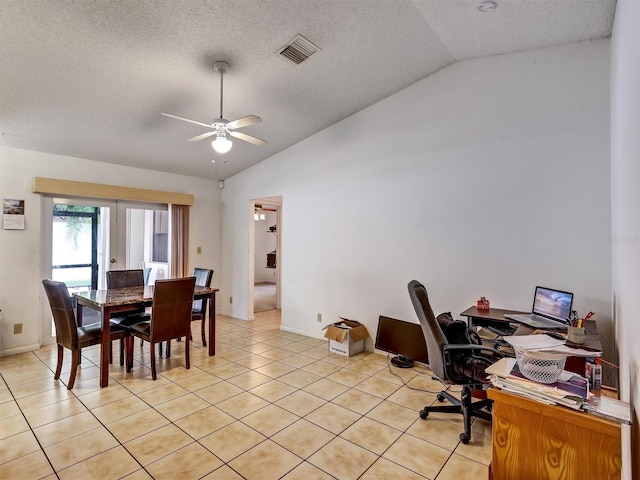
x: 17, y: 350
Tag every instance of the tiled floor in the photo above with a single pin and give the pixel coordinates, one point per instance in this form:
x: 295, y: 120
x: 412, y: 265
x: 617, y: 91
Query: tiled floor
x: 269, y: 405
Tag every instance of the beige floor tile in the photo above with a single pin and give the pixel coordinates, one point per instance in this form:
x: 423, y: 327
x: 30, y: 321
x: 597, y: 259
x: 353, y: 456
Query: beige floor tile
x: 163, y: 393
x: 321, y: 368
x: 154, y: 445
x: 5, y: 394
x: 254, y: 361
x: 417, y: 455
x: 384, y: 469
x: 232, y: 440
x: 136, y: 425
x: 266, y: 461
x: 182, y: 406
x: 242, y: 405
x: 45, y: 397
x: 371, y: 435
x: 228, y: 370
x: 394, y: 415
x: 333, y: 417
x: 66, y: 428
x: 199, y: 381
x: 347, y: 377
x: 460, y: 467
x: 275, y: 369
x: 365, y: 367
x: 219, y: 392
x: 114, y: 411
x: 249, y: 380
x: 357, y: 400
x: 478, y: 449
x: 66, y: 453
x: 377, y: 387
x: 33, y: 465
x: 303, y: 438
x: 443, y: 434
x: 10, y: 426
x: 223, y: 473
x: 269, y: 420
x: 325, y: 388
x: 17, y: 446
x: 306, y: 471
x: 300, y: 402
x: 190, y: 462
x: 57, y: 411
x: 112, y: 464
x: 277, y: 354
x: 9, y: 409
x: 299, y: 378
x: 300, y: 360
x: 204, y: 422
x: 273, y: 390
x: 45, y: 388
x: 416, y: 400
x: 139, y: 474
x: 343, y: 459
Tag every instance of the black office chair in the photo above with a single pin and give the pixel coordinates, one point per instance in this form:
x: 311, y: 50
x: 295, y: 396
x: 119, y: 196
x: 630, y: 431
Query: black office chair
x: 456, y: 356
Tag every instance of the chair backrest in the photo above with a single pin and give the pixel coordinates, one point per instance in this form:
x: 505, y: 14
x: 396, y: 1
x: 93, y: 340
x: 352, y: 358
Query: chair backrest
x: 433, y: 335
x: 64, y: 316
x: 125, y: 278
x: 203, y: 279
x: 171, y: 308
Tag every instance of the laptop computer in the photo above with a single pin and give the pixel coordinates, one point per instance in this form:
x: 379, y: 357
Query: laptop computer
x: 551, y: 309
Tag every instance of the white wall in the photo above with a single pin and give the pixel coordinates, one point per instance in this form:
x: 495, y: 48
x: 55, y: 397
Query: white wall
x: 21, y: 291
x: 487, y: 178
x: 625, y: 181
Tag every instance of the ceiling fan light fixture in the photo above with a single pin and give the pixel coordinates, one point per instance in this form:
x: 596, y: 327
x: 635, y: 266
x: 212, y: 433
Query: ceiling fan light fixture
x: 221, y: 144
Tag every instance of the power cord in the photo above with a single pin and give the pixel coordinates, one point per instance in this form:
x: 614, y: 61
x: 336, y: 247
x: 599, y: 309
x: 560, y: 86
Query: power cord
x: 424, y: 371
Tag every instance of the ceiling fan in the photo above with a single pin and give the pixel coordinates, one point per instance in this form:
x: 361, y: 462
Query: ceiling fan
x: 220, y: 126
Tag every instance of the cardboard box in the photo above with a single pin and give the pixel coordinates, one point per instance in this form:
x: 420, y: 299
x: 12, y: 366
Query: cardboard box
x: 346, y: 337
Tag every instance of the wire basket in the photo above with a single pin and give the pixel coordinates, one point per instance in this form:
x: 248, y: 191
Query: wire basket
x: 542, y: 367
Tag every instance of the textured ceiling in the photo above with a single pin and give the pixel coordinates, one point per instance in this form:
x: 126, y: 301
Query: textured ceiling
x: 89, y: 78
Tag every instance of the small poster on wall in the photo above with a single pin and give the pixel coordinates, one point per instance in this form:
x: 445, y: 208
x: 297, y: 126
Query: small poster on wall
x: 12, y: 214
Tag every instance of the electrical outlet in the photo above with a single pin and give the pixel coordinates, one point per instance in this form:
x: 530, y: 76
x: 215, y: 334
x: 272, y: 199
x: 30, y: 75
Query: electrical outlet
x: 230, y: 299
x: 198, y: 250
x: 17, y: 328
x: 319, y: 317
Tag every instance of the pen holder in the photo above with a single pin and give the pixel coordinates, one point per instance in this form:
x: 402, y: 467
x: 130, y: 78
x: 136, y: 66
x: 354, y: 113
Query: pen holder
x: 482, y: 304
x: 576, y: 334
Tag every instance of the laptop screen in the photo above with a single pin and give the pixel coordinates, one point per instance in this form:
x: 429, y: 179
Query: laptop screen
x: 552, y: 303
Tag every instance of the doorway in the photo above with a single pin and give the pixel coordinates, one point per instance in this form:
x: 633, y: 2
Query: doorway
x: 265, y: 255
x: 85, y: 238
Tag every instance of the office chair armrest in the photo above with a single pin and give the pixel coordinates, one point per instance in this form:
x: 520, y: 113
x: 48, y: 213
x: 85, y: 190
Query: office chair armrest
x: 472, y: 348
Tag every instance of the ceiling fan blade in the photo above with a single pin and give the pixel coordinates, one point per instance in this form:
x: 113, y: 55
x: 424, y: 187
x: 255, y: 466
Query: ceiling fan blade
x: 244, y: 122
x: 178, y: 117
x: 201, y: 136
x: 248, y: 138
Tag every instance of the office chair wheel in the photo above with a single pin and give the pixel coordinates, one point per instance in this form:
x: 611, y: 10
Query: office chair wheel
x: 424, y: 414
x: 441, y: 397
x: 464, y: 438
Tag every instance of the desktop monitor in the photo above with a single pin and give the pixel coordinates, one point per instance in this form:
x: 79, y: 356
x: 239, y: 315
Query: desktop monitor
x: 401, y: 338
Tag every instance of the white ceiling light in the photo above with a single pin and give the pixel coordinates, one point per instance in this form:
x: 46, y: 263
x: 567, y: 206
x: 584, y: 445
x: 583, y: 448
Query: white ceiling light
x: 221, y: 144
x: 487, y: 6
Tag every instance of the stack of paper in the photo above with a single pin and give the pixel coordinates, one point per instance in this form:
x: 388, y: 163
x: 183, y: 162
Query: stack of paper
x: 546, y: 343
x: 570, y: 390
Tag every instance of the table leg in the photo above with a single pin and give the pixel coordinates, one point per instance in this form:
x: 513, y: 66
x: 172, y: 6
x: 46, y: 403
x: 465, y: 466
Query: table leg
x: 212, y: 324
x: 104, y: 347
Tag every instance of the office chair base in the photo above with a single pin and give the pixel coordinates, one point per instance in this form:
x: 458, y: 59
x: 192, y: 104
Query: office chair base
x: 462, y: 406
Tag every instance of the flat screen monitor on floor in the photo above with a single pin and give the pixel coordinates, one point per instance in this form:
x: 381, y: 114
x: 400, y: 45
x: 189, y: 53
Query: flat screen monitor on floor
x: 401, y: 338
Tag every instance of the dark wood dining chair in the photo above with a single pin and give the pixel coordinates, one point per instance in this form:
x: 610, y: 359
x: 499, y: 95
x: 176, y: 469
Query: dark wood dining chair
x: 69, y: 334
x: 125, y: 279
x: 199, y: 307
x: 170, y: 318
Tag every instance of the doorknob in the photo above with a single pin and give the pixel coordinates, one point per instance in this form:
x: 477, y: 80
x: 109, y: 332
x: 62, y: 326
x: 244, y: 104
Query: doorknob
x: 113, y: 260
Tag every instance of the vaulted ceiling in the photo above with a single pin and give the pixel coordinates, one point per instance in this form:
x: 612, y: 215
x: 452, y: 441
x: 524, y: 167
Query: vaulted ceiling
x: 89, y: 78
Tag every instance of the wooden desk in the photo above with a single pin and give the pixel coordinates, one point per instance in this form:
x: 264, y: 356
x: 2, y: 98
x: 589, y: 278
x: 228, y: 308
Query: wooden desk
x: 493, y: 316
x: 117, y: 300
x: 534, y: 440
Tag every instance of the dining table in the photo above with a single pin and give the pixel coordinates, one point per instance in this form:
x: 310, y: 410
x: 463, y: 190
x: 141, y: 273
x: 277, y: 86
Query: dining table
x: 116, y: 300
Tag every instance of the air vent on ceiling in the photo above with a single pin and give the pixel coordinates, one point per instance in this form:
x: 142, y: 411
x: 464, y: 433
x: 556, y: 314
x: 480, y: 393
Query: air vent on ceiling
x: 298, y: 49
